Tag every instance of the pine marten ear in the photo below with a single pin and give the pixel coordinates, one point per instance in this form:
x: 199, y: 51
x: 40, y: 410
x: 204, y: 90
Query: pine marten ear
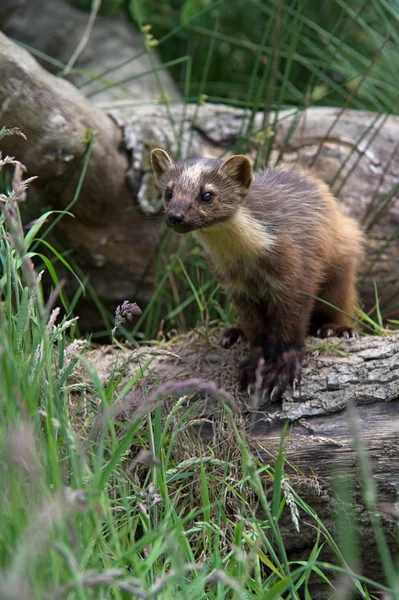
x: 239, y: 169
x: 161, y: 163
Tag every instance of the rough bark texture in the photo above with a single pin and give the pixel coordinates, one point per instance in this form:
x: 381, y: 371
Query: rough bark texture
x: 113, y: 237
x: 319, y: 443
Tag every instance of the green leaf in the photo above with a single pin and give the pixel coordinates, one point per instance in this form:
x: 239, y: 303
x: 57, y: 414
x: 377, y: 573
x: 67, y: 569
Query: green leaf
x: 38, y: 224
x: 23, y: 316
x: 62, y: 260
x: 54, y: 277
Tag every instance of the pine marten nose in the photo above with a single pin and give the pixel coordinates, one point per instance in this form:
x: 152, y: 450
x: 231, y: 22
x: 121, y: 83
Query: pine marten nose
x: 175, y: 218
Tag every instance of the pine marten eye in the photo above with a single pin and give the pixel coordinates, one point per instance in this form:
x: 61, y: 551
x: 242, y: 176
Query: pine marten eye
x: 168, y: 194
x: 207, y: 197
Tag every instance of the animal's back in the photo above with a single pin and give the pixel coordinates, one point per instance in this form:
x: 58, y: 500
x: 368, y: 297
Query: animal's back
x: 295, y: 204
x: 288, y: 198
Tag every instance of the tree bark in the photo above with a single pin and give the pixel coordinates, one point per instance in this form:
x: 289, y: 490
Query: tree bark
x: 113, y: 235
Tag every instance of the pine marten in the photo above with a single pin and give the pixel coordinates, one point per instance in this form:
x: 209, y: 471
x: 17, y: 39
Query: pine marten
x: 276, y: 240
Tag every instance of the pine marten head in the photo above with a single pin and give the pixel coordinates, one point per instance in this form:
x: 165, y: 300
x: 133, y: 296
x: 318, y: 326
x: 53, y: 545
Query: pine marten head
x: 198, y: 193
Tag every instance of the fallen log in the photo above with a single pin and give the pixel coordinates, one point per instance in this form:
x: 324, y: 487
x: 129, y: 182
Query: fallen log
x: 363, y: 372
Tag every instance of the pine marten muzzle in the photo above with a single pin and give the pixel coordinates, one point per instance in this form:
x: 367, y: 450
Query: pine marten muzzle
x: 276, y: 240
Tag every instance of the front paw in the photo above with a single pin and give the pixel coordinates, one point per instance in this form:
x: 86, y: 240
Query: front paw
x: 272, y: 376
x: 231, y: 336
x: 284, y: 372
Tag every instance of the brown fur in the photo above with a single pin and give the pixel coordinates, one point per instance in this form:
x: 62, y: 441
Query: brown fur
x: 275, y: 241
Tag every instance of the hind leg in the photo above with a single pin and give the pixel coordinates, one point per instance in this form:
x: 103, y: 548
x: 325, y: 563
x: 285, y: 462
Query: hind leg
x: 340, y: 292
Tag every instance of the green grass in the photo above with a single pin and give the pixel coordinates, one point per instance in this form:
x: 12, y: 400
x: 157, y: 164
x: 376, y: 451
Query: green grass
x: 96, y: 506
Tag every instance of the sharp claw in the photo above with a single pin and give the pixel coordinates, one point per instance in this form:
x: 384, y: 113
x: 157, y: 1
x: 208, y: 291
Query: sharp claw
x: 296, y: 390
x: 274, y: 392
